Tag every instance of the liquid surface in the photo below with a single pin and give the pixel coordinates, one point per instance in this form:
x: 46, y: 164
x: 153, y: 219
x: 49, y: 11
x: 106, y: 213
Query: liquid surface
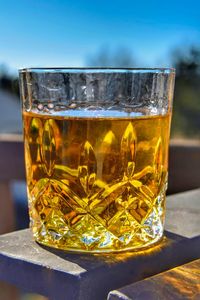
x: 96, y: 184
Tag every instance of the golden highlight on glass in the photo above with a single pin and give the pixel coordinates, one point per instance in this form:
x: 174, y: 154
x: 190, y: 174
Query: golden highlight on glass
x: 96, y: 150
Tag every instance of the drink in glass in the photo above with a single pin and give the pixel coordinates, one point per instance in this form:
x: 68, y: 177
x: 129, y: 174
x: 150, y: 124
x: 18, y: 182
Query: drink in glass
x: 96, y: 150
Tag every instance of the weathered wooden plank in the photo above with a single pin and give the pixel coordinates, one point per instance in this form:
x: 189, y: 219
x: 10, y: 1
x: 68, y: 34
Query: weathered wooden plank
x: 183, y: 213
x: 9, y: 292
x: 63, y: 275
x: 179, y: 283
x: 7, y: 213
x: 49, y: 271
x: 11, y: 160
x: 184, y: 166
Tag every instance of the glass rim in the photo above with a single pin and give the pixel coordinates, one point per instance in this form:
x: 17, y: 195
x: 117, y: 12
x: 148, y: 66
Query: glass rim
x: 96, y: 70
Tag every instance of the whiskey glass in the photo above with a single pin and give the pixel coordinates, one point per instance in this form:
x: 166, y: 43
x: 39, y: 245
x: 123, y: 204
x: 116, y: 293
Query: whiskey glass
x: 96, y: 151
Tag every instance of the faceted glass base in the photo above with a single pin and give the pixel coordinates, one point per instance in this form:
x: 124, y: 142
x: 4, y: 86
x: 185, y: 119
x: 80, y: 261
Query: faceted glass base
x: 136, y: 247
x: 124, y: 232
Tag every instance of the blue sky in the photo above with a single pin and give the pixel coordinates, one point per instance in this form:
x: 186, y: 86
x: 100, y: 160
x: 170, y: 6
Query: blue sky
x: 64, y: 33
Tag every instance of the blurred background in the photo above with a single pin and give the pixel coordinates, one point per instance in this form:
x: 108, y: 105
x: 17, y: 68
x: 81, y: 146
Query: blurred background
x: 61, y: 33
x: 102, y: 33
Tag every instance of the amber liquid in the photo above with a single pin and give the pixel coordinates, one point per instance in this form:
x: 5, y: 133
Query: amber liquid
x: 96, y: 184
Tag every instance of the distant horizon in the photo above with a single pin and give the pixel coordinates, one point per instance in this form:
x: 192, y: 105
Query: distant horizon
x: 63, y: 34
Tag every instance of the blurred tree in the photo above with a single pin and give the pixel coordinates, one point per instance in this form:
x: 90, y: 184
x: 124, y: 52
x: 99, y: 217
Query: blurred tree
x: 121, y: 57
x: 186, y: 114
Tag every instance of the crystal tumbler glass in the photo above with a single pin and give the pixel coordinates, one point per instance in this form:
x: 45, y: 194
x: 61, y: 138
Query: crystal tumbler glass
x: 96, y: 152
